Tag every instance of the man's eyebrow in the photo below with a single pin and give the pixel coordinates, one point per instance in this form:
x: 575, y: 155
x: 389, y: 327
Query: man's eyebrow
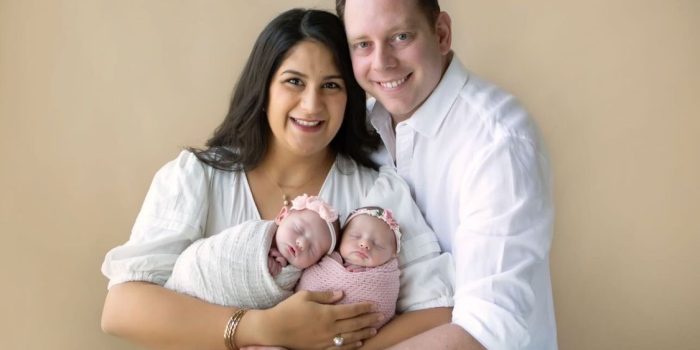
x: 409, y: 25
x: 327, y: 77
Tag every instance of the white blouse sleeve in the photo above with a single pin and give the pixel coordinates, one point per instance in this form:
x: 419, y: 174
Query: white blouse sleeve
x: 427, y: 276
x: 173, y: 216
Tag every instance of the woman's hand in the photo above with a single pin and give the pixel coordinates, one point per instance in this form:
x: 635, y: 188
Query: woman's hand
x: 305, y: 321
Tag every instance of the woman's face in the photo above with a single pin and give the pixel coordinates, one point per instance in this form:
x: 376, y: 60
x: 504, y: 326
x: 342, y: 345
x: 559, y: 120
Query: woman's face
x: 307, y: 100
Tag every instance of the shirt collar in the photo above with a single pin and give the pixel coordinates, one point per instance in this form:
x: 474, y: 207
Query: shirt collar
x: 428, y: 118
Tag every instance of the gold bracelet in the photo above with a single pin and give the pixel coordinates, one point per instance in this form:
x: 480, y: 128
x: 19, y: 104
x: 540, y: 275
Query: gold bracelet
x: 231, y: 326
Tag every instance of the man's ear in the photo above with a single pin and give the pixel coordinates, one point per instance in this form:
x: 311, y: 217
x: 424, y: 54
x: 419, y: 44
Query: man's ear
x: 443, y: 30
x: 283, y: 214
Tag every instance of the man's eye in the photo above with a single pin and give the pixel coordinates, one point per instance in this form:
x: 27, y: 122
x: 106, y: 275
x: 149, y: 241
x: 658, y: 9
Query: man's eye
x: 362, y: 45
x: 402, y: 37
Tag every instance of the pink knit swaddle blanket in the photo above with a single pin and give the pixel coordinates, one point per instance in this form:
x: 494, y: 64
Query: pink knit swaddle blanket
x: 379, y: 285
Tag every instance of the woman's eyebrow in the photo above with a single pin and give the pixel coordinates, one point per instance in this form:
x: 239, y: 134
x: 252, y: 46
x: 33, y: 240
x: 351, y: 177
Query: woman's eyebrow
x: 327, y: 77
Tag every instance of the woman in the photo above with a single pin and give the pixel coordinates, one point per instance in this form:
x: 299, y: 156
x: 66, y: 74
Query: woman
x: 296, y: 125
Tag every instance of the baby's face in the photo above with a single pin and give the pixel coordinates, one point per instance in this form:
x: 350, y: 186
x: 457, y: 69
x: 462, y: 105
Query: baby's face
x: 303, y: 238
x: 367, y: 241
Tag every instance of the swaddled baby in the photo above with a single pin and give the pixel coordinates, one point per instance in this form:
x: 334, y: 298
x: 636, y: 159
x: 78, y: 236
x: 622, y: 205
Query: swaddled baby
x: 366, y: 269
x: 257, y: 263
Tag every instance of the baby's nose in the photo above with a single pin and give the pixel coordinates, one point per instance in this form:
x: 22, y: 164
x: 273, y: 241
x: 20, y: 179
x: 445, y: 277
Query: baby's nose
x: 301, y: 244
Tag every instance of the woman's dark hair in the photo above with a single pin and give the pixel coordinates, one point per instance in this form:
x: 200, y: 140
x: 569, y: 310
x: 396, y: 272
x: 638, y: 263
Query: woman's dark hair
x: 430, y: 8
x: 241, y: 141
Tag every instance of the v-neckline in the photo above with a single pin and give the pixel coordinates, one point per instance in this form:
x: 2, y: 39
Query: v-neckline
x: 249, y: 191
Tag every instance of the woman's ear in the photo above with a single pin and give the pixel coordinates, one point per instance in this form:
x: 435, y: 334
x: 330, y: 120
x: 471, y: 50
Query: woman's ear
x: 283, y: 214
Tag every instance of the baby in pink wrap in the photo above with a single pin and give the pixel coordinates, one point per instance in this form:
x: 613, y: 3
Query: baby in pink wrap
x: 366, y: 269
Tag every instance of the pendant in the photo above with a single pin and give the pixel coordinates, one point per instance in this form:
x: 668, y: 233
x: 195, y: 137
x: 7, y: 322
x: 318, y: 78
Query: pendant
x: 285, y: 200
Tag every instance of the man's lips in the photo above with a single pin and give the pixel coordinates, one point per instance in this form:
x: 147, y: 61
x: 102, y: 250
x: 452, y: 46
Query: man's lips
x: 393, y: 84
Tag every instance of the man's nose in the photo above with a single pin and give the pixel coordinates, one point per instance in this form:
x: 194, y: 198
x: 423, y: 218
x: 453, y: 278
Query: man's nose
x: 383, y: 58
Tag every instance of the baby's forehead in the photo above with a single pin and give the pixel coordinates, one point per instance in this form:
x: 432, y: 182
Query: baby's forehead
x: 369, y: 224
x: 366, y: 219
x: 305, y: 215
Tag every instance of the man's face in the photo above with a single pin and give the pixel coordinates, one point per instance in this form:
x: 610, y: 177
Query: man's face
x: 397, y: 56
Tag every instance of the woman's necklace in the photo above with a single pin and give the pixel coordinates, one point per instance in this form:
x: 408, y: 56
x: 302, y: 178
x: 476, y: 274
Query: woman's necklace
x: 285, y: 198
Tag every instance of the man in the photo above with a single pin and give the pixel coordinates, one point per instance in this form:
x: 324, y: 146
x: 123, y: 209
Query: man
x: 475, y: 166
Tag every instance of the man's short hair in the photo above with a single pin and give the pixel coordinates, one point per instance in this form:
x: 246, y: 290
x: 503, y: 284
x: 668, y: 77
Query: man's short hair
x: 430, y: 8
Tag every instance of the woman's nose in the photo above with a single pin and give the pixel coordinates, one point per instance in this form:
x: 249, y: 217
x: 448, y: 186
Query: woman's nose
x: 311, y: 101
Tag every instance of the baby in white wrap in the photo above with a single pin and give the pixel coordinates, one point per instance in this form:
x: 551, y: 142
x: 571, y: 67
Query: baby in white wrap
x: 366, y: 268
x: 256, y: 264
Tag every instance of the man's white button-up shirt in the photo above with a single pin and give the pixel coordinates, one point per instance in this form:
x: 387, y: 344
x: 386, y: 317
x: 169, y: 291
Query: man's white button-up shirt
x: 478, y: 170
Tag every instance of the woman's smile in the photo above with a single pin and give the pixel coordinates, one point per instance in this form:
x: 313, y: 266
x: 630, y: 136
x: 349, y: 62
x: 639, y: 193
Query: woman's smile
x: 306, y: 124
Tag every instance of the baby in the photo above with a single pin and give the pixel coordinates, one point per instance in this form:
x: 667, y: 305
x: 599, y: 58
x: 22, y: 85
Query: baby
x: 366, y: 268
x: 302, y: 234
x: 257, y: 263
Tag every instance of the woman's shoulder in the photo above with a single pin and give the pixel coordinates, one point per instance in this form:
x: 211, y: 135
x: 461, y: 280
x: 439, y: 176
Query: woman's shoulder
x: 187, y: 166
x: 186, y: 163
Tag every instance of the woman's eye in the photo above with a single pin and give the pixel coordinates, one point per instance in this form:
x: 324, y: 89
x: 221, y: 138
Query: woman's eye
x: 331, y: 85
x: 295, y: 81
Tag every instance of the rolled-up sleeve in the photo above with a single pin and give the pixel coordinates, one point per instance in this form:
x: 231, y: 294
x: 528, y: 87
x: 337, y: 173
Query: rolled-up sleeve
x: 502, y: 242
x: 427, y: 275
x: 171, y: 218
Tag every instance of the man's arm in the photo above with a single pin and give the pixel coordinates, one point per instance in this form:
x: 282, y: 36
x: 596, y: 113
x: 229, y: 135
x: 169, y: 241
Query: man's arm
x: 408, y: 324
x: 451, y: 336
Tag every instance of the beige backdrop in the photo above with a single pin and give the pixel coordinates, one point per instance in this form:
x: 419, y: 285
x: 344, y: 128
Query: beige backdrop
x: 96, y: 95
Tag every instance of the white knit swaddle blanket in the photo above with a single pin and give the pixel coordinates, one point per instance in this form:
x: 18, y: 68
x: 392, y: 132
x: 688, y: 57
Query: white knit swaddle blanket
x: 230, y: 268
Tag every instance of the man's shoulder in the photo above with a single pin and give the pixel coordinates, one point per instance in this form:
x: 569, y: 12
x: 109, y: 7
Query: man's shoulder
x: 494, y: 108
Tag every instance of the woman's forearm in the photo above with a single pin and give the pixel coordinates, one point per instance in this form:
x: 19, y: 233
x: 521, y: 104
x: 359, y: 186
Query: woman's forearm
x: 159, y: 318
x: 407, y: 325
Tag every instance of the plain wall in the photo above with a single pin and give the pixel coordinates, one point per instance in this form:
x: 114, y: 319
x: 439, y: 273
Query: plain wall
x: 96, y: 95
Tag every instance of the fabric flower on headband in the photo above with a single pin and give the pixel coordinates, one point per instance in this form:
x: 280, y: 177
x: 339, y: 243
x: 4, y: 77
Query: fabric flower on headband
x: 324, y: 210
x: 385, y: 215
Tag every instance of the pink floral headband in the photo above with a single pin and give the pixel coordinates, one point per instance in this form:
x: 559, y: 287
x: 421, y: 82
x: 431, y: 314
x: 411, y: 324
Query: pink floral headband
x: 324, y: 210
x: 385, y: 215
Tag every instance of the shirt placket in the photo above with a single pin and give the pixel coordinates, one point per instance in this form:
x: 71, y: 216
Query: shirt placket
x: 405, y: 136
